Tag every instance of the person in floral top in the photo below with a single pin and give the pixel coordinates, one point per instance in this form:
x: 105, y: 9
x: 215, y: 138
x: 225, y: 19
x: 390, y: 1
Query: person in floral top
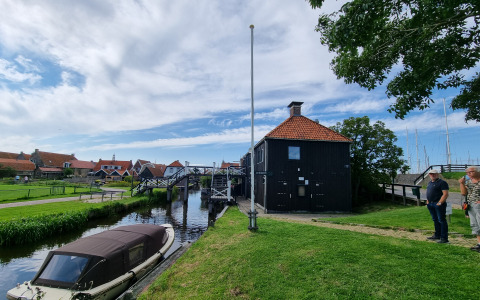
x: 471, y: 189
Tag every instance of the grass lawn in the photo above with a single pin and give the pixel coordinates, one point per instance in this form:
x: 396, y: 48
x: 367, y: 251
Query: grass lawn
x: 409, y: 217
x: 298, y: 261
x: 9, y: 213
x: 17, y: 192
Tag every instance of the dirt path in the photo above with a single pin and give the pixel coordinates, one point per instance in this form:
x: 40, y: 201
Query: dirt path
x: 418, y: 236
x: 244, y: 207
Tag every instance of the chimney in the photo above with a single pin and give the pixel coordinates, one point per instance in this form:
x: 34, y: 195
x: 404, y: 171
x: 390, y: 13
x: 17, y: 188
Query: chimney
x: 295, y: 108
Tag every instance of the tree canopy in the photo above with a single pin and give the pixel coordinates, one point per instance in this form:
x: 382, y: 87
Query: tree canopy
x: 434, y: 42
x: 375, y: 158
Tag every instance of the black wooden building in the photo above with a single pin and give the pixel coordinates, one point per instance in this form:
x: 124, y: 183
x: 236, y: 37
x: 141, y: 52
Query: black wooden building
x: 307, y: 167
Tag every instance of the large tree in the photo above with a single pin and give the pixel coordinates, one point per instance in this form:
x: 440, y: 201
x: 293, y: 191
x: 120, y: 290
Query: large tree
x: 433, y: 42
x: 375, y: 158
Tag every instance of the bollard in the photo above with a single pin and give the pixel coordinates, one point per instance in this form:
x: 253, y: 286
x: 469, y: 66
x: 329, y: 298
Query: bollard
x: 103, y: 194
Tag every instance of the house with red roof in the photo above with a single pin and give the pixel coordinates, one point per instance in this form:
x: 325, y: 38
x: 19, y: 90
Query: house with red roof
x: 139, y: 163
x: 22, y: 167
x: 50, y: 165
x: 81, y: 167
x: 301, y: 166
x: 173, y: 168
x: 153, y: 171
x: 113, y: 169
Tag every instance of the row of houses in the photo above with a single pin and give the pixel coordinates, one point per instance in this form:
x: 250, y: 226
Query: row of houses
x: 41, y: 164
x: 301, y: 165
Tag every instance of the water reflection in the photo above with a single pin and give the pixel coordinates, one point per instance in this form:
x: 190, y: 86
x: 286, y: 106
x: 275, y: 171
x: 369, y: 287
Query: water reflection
x: 189, y: 219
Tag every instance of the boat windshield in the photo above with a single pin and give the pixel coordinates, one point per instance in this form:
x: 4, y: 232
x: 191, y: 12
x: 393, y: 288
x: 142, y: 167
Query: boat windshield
x: 66, y: 268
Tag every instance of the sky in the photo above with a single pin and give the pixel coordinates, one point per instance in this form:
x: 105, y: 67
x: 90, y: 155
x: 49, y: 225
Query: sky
x: 171, y: 80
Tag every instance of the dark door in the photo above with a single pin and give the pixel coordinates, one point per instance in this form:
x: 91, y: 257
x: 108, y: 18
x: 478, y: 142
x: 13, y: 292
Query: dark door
x: 302, y: 198
x: 318, y: 196
x: 283, y: 199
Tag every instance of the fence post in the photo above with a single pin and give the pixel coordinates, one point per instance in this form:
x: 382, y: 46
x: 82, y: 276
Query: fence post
x: 103, y: 194
x: 393, y: 192
x: 418, y: 196
x: 28, y: 196
x: 121, y: 196
x: 74, y: 189
x: 80, y: 197
x: 64, y: 189
x: 384, y: 191
x: 404, y: 197
x: 111, y: 196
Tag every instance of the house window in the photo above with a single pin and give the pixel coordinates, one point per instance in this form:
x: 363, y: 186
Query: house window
x: 293, y: 152
x: 66, y: 165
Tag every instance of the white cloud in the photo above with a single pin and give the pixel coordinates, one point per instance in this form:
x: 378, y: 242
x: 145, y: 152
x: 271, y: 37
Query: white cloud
x: 277, y: 113
x: 9, y: 72
x: 228, y: 136
x: 359, y: 106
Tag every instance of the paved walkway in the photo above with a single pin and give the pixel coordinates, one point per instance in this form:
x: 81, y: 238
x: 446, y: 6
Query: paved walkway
x: 95, y: 198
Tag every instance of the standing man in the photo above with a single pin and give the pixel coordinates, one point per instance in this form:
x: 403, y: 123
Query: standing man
x: 471, y: 189
x: 437, y: 194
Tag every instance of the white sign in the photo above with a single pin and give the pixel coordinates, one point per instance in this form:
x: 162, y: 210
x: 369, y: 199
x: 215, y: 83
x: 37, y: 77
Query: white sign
x: 449, y: 208
x: 306, y: 182
x: 301, y: 178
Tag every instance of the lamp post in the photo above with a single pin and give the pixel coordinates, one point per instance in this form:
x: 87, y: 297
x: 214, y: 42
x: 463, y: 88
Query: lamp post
x: 252, y: 214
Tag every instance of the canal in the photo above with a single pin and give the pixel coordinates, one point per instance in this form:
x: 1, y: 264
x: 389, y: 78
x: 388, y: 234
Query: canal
x: 189, y: 219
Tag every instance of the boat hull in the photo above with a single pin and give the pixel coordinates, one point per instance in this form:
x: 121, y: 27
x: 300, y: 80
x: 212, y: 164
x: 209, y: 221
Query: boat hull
x: 107, y: 291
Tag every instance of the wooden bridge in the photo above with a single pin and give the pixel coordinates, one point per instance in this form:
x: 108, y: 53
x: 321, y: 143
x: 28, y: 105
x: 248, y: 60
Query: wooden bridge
x: 221, y: 181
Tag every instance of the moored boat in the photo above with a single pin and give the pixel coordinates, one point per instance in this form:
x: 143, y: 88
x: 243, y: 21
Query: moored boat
x: 101, y: 266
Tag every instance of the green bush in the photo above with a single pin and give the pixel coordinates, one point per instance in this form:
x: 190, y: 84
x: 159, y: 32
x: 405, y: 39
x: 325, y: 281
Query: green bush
x: 128, y: 178
x: 35, y: 228
x: 206, y: 181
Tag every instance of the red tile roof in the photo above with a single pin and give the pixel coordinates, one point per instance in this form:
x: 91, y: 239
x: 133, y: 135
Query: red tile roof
x: 123, y: 164
x: 19, y: 165
x: 175, y: 164
x: 8, y: 155
x: 157, y: 172
x: 55, y: 159
x: 227, y: 164
x: 81, y: 164
x: 302, y: 128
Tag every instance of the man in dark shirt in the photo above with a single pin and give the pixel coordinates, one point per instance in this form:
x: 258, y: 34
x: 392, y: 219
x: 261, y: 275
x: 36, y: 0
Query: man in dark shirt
x: 437, y: 194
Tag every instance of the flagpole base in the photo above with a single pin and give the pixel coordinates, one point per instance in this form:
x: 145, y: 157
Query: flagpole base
x: 252, y: 217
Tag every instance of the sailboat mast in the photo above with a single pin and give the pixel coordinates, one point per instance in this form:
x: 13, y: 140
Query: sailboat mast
x: 408, y: 153
x: 449, y: 155
x: 416, y: 145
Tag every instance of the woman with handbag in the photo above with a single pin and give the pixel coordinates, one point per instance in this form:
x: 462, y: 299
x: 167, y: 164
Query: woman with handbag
x: 471, y: 189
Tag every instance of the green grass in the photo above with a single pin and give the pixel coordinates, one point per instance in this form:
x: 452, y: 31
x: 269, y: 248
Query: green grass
x: 16, y: 192
x: 24, y: 224
x: 297, y: 261
x: 453, y: 175
x: 386, y: 214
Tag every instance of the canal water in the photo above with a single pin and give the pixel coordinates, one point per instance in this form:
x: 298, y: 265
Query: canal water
x: 189, y: 219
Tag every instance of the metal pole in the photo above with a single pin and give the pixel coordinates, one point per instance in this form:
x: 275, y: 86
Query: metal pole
x: 253, y: 212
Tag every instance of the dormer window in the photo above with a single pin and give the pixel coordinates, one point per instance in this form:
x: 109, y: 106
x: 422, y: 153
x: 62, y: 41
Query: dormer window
x: 66, y: 165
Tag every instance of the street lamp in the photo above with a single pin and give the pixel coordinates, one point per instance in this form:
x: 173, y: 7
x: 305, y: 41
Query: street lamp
x: 252, y: 214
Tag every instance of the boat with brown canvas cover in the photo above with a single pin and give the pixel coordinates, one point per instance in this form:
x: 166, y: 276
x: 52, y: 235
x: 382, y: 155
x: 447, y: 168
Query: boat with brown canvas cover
x: 100, y: 266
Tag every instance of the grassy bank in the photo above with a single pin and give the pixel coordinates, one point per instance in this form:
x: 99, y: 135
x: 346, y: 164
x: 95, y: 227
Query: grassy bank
x: 296, y: 261
x: 31, y: 223
x: 27, y: 192
x: 387, y: 215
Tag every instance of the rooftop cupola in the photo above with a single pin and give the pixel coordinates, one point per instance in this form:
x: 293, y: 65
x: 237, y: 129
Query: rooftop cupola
x: 295, y: 108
